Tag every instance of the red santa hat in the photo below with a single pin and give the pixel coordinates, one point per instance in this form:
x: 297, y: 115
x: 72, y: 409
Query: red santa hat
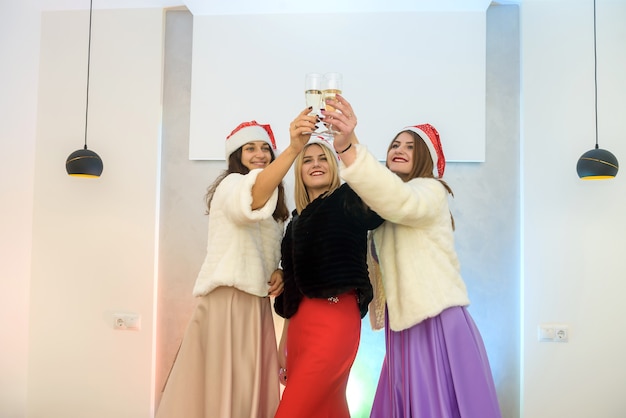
x: 249, y: 132
x: 322, y: 140
x: 430, y: 136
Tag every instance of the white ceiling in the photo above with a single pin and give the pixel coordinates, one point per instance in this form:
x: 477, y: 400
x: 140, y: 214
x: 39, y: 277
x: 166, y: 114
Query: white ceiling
x: 105, y: 4
x: 218, y: 7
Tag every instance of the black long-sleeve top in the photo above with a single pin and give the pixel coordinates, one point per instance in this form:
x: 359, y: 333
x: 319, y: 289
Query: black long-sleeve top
x: 324, y: 251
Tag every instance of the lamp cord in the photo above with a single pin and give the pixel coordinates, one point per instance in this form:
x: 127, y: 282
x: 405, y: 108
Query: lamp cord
x: 89, y: 64
x: 595, y: 69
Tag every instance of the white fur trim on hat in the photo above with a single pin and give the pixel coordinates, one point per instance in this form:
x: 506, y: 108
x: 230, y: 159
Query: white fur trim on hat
x: 430, y: 136
x: 249, y: 132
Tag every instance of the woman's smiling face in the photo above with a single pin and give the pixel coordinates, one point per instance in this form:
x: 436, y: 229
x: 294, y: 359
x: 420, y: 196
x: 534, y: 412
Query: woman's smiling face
x: 400, y: 155
x: 315, y: 171
x: 256, y: 154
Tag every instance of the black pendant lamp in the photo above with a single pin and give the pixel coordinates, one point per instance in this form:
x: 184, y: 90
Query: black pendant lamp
x: 84, y: 162
x: 598, y: 163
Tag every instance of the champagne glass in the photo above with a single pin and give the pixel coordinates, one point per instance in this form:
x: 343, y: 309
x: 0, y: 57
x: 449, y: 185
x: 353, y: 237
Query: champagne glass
x: 313, y: 93
x: 333, y: 84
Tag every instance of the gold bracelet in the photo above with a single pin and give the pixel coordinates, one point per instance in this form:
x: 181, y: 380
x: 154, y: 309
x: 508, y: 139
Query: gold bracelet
x: 347, y: 148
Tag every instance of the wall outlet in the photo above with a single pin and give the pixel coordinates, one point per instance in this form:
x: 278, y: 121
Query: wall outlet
x: 127, y: 321
x: 561, y: 334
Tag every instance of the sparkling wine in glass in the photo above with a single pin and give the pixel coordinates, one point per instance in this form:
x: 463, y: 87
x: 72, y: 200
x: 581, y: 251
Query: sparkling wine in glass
x: 333, y: 84
x: 313, y: 84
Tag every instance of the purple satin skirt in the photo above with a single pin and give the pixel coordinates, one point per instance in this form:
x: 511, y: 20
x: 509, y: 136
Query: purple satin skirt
x: 438, y: 368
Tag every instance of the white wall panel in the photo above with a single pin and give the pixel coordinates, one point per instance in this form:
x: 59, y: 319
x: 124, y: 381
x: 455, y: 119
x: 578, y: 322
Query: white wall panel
x: 95, y: 240
x: 399, y: 69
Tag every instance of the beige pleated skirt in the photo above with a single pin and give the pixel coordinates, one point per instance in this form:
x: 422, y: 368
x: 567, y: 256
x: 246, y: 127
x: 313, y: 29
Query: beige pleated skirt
x: 227, y: 365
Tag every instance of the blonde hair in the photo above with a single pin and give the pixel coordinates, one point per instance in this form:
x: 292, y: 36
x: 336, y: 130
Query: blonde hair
x: 301, y: 196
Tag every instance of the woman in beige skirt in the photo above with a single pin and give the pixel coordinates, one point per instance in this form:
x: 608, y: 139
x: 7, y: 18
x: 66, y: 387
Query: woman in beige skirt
x: 227, y: 365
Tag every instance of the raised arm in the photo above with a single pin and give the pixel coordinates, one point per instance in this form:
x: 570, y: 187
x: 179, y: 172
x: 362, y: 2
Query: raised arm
x: 344, y: 122
x: 271, y: 176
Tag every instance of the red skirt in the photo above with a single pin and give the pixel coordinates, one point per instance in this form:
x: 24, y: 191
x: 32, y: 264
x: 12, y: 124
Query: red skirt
x: 322, y: 343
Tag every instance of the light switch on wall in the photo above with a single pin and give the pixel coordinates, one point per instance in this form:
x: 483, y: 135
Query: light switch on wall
x: 553, y: 333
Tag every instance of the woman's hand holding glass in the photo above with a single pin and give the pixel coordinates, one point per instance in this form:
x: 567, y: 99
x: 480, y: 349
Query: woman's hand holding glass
x: 332, y: 86
x: 300, y: 129
x: 319, y: 89
x: 344, y: 122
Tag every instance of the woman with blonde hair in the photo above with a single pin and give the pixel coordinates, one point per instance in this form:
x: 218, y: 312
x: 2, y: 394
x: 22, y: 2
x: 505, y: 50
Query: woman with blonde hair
x: 327, y: 289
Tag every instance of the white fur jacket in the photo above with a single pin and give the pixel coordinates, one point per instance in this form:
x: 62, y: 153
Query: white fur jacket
x: 417, y: 274
x: 243, y: 246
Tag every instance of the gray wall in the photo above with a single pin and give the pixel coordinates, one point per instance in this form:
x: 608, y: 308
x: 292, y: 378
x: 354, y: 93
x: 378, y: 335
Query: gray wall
x: 183, y: 225
x: 485, y: 207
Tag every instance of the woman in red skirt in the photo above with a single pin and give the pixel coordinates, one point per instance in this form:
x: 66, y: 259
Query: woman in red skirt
x: 327, y: 289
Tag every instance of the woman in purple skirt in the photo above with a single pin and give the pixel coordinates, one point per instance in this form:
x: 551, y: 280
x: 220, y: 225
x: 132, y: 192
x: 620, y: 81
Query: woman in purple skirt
x: 435, y: 364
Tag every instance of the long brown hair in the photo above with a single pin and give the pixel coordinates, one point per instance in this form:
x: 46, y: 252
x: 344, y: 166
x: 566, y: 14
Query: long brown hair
x: 422, y: 162
x: 281, y: 213
x: 301, y: 196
